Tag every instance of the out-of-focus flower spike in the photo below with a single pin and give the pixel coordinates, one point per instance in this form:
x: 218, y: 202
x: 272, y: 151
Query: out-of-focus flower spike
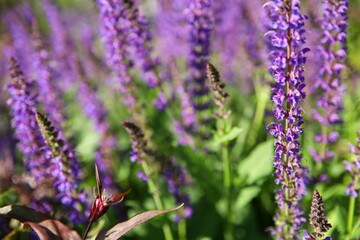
x: 49, y: 93
x: 177, y: 179
x: 328, y: 85
x: 65, y: 168
x: 140, y: 37
x: 116, y: 31
x: 23, y: 108
x: 353, y: 168
x: 138, y: 141
x: 19, y: 31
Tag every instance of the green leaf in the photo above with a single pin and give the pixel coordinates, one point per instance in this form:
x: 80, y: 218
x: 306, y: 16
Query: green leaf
x: 245, y: 196
x: 258, y: 164
x: 231, y: 135
x: 121, y: 228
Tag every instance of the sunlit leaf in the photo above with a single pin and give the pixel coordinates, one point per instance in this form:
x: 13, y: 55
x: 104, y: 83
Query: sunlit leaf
x: 22, y: 213
x: 120, y: 229
x: 258, y: 164
x: 54, y: 229
x: 233, y: 134
x: 45, y: 227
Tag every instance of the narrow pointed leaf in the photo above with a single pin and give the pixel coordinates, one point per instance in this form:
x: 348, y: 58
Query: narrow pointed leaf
x: 54, y: 228
x: 22, y: 213
x: 120, y: 229
x: 42, y: 232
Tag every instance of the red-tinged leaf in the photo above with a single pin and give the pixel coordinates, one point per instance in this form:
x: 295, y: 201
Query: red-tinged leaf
x: 42, y: 232
x: 45, y: 227
x: 119, y: 196
x: 120, y: 229
x: 98, y: 180
x: 22, y: 213
x: 54, y: 229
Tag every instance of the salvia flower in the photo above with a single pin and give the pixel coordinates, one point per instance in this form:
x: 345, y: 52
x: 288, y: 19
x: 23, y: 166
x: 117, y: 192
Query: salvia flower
x: 138, y: 141
x: 23, y: 108
x: 318, y: 219
x: 62, y: 45
x: 354, y: 169
x: 140, y: 38
x: 116, y: 31
x: 49, y: 93
x: 285, y: 38
x: 18, y: 30
x: 200, y: 20
x: 328, y: 84
x: 65, y: 169
x: 177, y: 178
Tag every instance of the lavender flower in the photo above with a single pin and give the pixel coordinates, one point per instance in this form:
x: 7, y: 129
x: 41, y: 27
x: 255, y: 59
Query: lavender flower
x: 239, y: 44
x: 23, y: 108
x: 49, y: 94
x: 139, y: 38
x: 171, y: 27
x: 138, y: 142
x: 65, y: 169
x: 354, y: 169
x: 116, y: 31
x: 200, y: 19
x: 176, y: 179
x: 61, y: 44
x: 287, y: 57
x: 328, y: 85
x: 19, y: 32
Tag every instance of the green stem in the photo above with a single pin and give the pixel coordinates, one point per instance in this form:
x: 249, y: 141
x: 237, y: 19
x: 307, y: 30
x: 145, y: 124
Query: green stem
x: 351, y: 211
x: 182, y: 229
x: 263, y: 98
x: 228, y: 235
x: 158, y: 203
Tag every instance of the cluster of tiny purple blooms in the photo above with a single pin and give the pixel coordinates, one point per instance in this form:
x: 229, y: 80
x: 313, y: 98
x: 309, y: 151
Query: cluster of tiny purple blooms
x: 144, y: 69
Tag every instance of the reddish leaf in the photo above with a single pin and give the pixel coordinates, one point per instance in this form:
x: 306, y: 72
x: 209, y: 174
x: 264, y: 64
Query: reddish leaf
x: 55, y: 229
x: 121, y: 228
x: 23, y: 214
x: 42, y: 232
x: 45, y: 227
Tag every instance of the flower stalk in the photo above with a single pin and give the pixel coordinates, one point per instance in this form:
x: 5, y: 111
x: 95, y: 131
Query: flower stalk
x: 140, y: 151
x: 285, y: 38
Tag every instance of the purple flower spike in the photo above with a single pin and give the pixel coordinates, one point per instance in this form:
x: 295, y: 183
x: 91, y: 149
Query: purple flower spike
x: 49, y: 94
x: 200, y: 20
x: 116, y: 37
x: 65, y: 169
x: 177, y: 178
x: 328, y: 86
x: 23, y: 108
x: 140, y: 38
x: 354, y: 169
x: 19, y: 31
x: 285, y: 38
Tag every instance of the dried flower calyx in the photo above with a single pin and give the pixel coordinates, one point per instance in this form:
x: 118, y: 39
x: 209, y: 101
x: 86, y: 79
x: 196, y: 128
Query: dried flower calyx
x: 138, y: 141
x: 49, y: 134
x: 217, y: 88
x: 317, y: 216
